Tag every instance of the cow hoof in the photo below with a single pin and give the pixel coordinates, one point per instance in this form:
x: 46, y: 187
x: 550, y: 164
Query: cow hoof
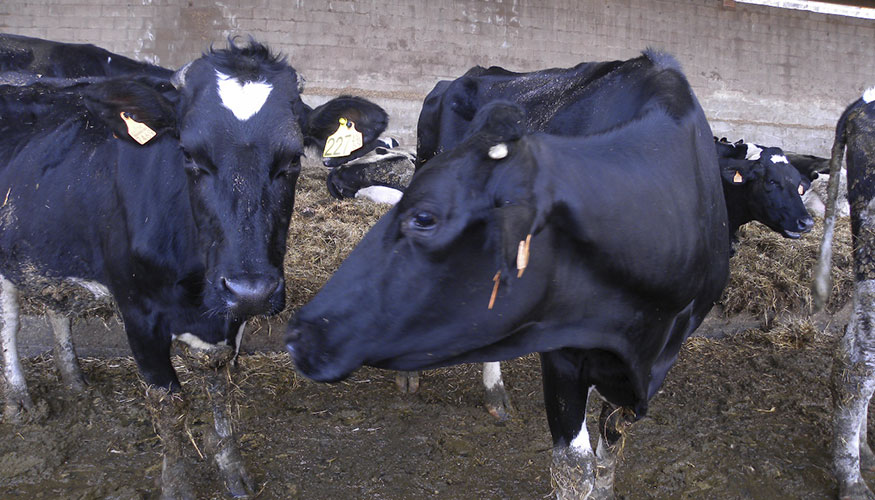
x: 572, y: 474
x: 230, y: 463
x: 75, y: 382
x: 856, y: 491
x: 498, y: 403
x: 174, y: 482
x: 407, y: 382
x: 19, y: 408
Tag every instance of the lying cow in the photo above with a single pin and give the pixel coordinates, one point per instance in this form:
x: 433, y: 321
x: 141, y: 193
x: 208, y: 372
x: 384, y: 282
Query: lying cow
x: 602, y: 251
x: 172, y: 195
x: 48, y: 58
x: 379, y: 176
x: 854, y: 364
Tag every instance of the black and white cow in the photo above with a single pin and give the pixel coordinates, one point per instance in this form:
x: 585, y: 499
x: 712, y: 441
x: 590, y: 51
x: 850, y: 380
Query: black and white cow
x: 380, y: 176
x: 853, y: 374
x: 760, y: 184
x: 601, y: 251
x: 48, y: 58
x: 172, y: 195
x: 569, y: 102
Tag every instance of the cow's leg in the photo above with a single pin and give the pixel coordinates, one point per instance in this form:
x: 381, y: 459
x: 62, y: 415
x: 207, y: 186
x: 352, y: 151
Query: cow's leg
x: 573, y: 467
x: 17, y: 398
x: 853, y: 385
x: 407, y: 382
x: 169, y: 411
x: 867, y: 458
x: 166, y: 404
x: 497, y: 400
x: 211, y: 364
x: 65, y: 354
x: 612, y: 423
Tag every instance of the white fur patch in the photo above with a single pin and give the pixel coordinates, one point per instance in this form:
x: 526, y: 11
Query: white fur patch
x: 581, y: 441
x: 196, y: 342
x: 753, y: 152
x: 239, y: 338
x: 869, y: 95
x: 98, y: 290
x: 779, y: 159
x: 492, y: 375
x: 498, y: 152
x: 243, y: 100
x: 379, y: 194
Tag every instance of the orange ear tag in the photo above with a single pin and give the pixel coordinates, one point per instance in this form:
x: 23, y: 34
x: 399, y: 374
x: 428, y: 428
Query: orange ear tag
x: 140, y: 132
x: 737, y: 179
x: 344, y: 141
x: 497, y: 280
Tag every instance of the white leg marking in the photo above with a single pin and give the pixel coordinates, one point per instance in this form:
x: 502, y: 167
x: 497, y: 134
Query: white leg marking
x: 380, y: 194
x: 239, y: 339
x: 492, y: 375
x: 243, y: 100
x: 16, y: 386
x: 581, y: 442
x: 65, y: 353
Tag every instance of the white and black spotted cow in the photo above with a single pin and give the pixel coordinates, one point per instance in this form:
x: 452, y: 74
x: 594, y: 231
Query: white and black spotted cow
x: 854, y: 363
x: 379, y: 176
x: 174, y: 195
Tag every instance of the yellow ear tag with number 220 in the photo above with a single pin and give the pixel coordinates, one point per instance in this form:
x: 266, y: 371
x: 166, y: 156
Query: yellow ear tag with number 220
x: 343, y: 142
x: 140, y: 132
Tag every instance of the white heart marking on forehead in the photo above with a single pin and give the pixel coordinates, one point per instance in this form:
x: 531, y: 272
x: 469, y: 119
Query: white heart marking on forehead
x: 243, y: 100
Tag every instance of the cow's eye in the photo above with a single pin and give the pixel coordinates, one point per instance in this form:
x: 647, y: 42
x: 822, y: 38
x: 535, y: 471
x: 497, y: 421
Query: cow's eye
x: 423, y: 221
x: 286, y: 168
x: 195, y: 167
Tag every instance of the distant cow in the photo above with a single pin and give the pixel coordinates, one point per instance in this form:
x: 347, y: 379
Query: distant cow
x: 172, y: 195
x: 48, y: 58
x: 602, y: 251
x: 380, y: 175
x: 853, y: 373
x: 760, y: 184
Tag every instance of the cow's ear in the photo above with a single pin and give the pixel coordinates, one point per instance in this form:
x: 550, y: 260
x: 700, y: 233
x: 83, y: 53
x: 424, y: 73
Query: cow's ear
x: 358, y: 115
x: 134, y: 110
x: 737, y: 172
x: 462, y: 96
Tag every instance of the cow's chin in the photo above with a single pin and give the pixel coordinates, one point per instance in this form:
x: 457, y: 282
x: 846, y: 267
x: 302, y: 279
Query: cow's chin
x: 321, y: 372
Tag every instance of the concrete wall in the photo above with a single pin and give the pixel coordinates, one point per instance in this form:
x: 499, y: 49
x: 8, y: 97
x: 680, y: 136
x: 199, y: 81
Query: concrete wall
x: 769, y: 75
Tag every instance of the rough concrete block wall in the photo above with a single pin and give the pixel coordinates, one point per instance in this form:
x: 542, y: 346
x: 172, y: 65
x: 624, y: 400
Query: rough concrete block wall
x: 769, y: 75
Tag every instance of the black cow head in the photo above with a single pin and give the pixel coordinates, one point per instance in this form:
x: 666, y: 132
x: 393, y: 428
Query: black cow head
x: 762, y: 185
x: 460, y: 227
x: 240, y: 127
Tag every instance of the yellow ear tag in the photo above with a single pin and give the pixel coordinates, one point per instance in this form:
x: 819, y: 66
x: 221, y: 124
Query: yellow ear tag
x: 140, y: 132
x: 737, y: 179
x: 343, y: 142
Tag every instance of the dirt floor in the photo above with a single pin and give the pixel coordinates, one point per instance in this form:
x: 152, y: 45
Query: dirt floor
x: 743, y: 414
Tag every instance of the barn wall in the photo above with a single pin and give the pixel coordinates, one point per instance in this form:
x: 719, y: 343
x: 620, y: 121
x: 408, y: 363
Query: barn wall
x: 769, y: 75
